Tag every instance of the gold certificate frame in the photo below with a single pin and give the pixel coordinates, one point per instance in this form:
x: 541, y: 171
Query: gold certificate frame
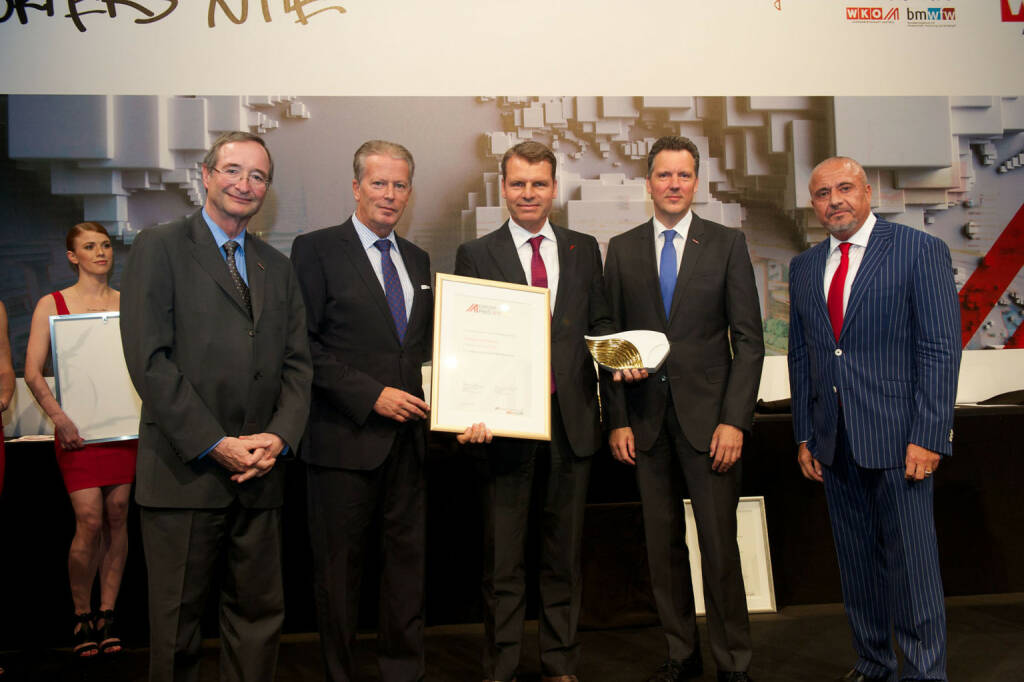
x: 492, y: 357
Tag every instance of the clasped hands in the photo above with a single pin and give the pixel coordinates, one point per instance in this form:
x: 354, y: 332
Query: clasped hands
x: 250, y: 456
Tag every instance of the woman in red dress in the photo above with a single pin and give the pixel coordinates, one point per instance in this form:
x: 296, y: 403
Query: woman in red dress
x: 98, y: 476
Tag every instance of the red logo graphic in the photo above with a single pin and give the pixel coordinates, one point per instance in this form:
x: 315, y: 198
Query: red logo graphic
x: 473, y: 308
x: 872, y: 14
x: 949, y: 14
x: 1009, y: 14
x: 778, y: 5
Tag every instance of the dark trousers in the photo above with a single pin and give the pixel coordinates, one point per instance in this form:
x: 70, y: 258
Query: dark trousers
x: 345, y: 507
x: 512, y: 466
x: 884, y: 532
x: 661, y: 473
x: 183, y: 548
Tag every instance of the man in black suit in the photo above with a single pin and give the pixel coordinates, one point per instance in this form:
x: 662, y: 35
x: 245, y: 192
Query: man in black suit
x: 214, y: 334
x: 528, y: 249
x: 691, y: 279
x: 370, y: 317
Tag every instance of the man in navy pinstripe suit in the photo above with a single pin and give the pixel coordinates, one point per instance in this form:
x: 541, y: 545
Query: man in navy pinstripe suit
x: 874, y: 351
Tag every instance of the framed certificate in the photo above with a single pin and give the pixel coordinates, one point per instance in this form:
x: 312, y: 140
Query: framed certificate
x: 755, y: 557
x: 492, y: 357
x: 91, y: 378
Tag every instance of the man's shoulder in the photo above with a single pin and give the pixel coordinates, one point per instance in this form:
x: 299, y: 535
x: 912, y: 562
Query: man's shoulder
x: 632, y: 233
x: 574, y: 236
x: 324, y: 234
x: 410, y: 248
x: 905, y: 233
x: 483, y: 240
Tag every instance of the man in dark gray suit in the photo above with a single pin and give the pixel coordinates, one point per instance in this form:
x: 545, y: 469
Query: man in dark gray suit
x: 691, y: 279
x: 529, y: 249
x: 214, y: 335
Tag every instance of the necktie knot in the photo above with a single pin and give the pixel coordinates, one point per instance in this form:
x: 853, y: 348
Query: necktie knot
x: 230, y: 248
x: 844, y: 248
x: 669, y: 235
x: 384, y: 245
x: 535, y: 242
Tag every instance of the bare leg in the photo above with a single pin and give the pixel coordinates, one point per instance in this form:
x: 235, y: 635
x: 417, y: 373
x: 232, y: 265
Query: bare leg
x: 112, y: 558
x: 86, y: 549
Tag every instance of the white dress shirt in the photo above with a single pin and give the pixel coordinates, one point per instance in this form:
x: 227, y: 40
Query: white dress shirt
x: 858, y: 242
x: 682, y: 229
x: 548, y: 253
x: 368, y: 238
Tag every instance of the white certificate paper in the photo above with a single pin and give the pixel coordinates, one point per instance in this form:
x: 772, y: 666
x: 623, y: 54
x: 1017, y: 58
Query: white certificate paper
x: 492, y: 357
x: 92, y: 382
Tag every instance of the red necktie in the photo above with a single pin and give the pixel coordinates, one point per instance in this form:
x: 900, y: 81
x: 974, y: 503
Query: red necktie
x: 538, y: 273
x: 835, y: 290
x: 539, y: 278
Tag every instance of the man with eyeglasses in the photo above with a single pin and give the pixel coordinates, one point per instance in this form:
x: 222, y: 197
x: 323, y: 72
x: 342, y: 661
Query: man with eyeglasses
x: 214, y: 334
x: 370, y: 320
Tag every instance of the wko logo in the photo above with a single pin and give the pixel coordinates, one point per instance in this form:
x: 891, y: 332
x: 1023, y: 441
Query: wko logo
x: 1009, y: 14
x: 885, y: 15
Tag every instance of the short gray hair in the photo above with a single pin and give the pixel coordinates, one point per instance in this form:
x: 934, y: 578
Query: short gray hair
x: 211, y: 158
x: 380, y: 148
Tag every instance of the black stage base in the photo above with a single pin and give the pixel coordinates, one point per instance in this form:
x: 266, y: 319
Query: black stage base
x: 798, y: 644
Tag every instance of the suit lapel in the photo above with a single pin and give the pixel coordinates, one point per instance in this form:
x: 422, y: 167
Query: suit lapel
x: 818, y: 261
x: 503, y: 251
x: 566, y: 268
x: 256, y: 272
x: 416, y: 277
x: 206, y: 253
x: 876, y: 252
x: 692, y: 253
x: 648, y: 267
x: 360, y: 262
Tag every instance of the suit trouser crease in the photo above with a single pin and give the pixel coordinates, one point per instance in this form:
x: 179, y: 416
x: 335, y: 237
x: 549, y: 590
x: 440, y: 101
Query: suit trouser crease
x: 183, y: 548
x: 661, y: 473
x: 884, y: 532
x: 506, y: 496
x: 345, y: 507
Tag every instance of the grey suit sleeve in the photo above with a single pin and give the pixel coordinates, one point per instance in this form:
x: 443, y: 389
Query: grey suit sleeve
x: 613, y: 397
x: 352, y: 391
x: 147, y: 334
x: 292, y: 408
x: 746, y: 333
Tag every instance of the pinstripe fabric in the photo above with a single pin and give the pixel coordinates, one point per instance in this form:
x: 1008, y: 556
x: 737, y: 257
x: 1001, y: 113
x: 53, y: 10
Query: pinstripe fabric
x: 896, y: 363
x: 894, y: 373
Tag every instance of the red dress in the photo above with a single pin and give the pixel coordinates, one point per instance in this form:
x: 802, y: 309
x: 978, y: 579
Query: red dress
x: 97, y: 464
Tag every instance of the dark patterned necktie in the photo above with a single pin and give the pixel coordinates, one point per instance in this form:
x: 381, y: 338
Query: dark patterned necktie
x: 392, y: 286
x: 236, y: 277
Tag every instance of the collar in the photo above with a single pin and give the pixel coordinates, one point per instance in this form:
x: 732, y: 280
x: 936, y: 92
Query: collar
x: 682, y: 228
x: 520, y: 235
x: 220, y: 236
x: 859, y: 238
x: 368, y: 237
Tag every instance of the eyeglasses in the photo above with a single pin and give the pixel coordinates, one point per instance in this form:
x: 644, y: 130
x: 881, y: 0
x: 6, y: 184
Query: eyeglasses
x: 255, y: 178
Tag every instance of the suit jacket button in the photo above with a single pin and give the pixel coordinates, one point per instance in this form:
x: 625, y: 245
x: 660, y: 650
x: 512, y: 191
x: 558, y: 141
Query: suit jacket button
x: 252, y: 332
x: 951, y: 435
x: 663, y: 378
x: 839, y: 351
x: 835, y: 390
x: 258, y: 376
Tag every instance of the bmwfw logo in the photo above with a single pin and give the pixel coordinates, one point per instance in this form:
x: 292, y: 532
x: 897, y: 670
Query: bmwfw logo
x: 932, y: 16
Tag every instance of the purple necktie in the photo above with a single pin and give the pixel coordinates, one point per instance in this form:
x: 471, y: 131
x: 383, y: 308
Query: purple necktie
x: 392, y: 287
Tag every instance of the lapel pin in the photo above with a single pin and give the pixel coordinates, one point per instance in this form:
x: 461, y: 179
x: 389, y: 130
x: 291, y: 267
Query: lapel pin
x: 572, y: 246
x: 260, y: 265
x: 694, y: 241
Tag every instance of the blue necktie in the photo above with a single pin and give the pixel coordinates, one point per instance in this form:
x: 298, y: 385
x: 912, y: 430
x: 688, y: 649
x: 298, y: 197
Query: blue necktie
x: 392, y: 286
x: 667, y: 271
